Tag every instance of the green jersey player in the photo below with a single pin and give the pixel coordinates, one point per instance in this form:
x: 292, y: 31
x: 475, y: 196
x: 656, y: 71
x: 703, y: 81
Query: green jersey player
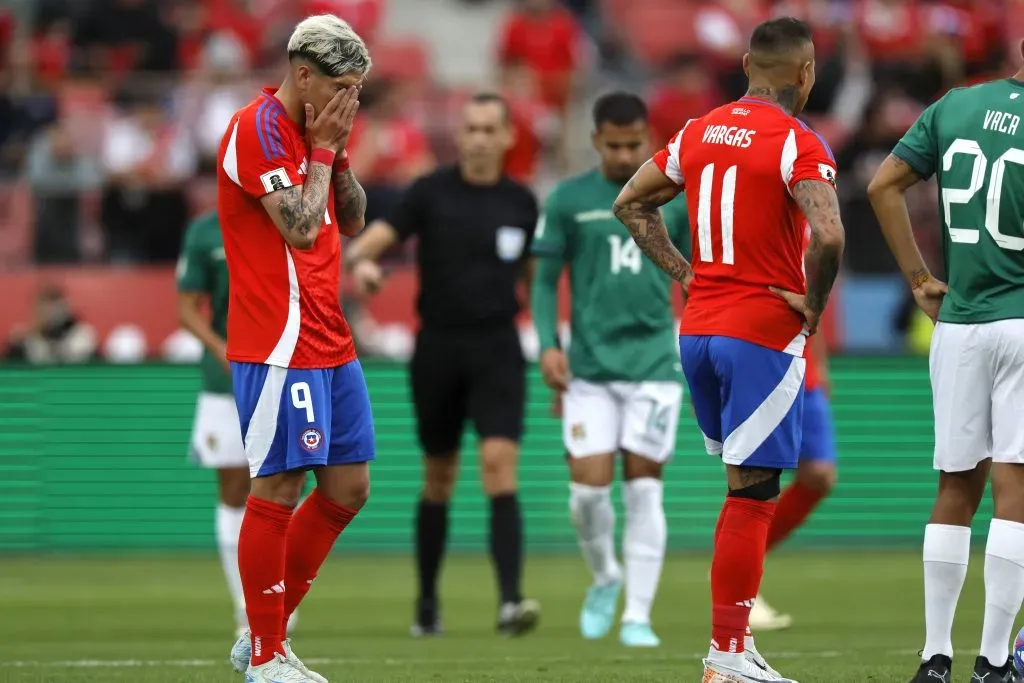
x: 620, y: 384
x: 216, y: 436
x: 972, y: 140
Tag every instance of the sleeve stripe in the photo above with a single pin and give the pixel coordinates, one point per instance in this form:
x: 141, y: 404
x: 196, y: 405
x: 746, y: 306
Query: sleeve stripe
x: 828, y: 150
x: 261, y: 113
x: 275, y: 132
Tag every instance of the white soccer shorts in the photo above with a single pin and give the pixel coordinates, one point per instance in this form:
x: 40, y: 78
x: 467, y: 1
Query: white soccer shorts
x: 977, y: 374
x: 216, y: 435
x: 638, y: 417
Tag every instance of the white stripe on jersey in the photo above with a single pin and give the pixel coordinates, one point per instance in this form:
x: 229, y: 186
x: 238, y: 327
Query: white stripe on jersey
x: 281, y: 356
x: 231, y: 157
x: 789, y: 154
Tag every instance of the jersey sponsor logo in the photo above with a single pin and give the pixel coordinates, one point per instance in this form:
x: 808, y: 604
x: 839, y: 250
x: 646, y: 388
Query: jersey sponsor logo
x: 304, y: 166
x: 595, y: 215
x: 311, y: 439
x: 275, y: 180
x: 510, y: 241
x: 740, y: 111
x: 828, y: 173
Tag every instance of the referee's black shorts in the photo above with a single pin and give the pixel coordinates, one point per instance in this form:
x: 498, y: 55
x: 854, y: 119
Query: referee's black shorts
x: 479, y: 375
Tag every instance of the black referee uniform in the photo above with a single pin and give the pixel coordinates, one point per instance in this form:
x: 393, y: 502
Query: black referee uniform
x: 468, y: 364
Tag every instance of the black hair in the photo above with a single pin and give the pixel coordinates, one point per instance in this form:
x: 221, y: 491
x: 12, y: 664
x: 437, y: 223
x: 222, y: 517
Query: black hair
x: 619, y: 109
x: 489, y: 97
x: 778, y: 36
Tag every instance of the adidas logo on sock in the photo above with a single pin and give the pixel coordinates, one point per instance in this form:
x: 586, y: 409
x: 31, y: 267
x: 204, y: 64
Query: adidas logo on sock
x: 276, y: 588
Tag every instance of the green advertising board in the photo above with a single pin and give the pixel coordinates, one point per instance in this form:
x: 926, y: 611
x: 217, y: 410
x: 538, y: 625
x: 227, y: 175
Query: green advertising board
x: 94, y: 458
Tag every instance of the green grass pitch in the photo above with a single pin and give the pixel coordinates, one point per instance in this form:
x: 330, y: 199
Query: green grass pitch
x: 858, y: 619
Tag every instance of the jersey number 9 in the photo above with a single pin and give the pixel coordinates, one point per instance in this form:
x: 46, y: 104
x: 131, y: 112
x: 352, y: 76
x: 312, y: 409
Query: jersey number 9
x: 966, y: 195
x: 303, y: 400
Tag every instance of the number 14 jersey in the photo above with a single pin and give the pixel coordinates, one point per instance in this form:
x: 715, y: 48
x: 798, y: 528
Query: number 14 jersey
x: 973, y: 142
x: 739, y: 164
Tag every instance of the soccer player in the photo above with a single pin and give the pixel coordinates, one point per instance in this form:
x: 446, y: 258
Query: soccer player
x: 815, y: 475
x: 754, y: 175
x: 621, y: 384
x: 285, y: 192
x: 972, y: 141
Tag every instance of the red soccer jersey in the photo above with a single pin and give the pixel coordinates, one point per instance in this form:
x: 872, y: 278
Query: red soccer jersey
x: 739, y: 164
x: 284, y: 307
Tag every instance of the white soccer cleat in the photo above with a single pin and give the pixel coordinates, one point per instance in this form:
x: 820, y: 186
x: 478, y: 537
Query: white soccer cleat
x: 241, y: 653
x: 751, y: 654
x: 742, y: 670
x: 764, y: 618
x: 277, y: 670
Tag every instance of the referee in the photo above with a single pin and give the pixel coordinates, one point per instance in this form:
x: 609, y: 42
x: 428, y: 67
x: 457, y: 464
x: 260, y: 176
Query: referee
x: 475, y: 226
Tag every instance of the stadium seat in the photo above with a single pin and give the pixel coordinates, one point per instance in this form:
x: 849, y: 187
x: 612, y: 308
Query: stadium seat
x: 658, y: 29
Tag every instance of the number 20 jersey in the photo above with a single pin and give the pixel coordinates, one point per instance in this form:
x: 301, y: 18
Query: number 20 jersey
x: 739, y: 164
x: 972, y: 140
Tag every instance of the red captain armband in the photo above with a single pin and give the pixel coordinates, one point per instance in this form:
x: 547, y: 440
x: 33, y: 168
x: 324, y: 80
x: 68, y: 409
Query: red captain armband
x: 323, y: 156
x: 341, y: 162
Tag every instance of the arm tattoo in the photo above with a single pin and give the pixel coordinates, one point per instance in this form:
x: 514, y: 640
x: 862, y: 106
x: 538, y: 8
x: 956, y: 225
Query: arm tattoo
x: 919, y: 277
x: 899, y: 163
x: 820, y: 205
x: 349, y: 199
x: 646, y: 224
x: 302, y: 207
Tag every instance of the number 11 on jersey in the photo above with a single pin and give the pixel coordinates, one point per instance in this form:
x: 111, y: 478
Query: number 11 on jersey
x: 707, y: 184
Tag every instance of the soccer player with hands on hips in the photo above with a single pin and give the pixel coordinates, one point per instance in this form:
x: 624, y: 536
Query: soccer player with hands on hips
x: 285, y: 196
x: 754, y: 176
x: 971, y: 140
x: 620, y: 384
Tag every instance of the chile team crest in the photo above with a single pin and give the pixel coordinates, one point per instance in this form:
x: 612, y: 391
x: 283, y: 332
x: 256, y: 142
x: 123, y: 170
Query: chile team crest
x: 311, y: 439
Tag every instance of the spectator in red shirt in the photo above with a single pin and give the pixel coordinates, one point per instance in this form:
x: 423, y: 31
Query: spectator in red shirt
x: 684, y: 93
x: 535, y: 124
x: 547, y: 39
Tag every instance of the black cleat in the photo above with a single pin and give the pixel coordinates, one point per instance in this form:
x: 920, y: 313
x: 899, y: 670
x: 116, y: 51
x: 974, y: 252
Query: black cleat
x: 428, y: 619
x: 517, y: 619
x: 938, y: 669
x: 984, y: 672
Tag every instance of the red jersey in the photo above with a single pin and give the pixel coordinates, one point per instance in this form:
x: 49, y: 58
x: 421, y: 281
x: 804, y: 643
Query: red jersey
x: 740, y: 163
x: 284, y: 306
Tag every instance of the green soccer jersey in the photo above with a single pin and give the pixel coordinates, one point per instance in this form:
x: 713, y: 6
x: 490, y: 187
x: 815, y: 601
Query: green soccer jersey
x: 973, y: 141
x: 202, y: 268
x: 622, y: 322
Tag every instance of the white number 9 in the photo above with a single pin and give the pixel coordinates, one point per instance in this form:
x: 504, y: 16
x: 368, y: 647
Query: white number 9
x: 303, y: 399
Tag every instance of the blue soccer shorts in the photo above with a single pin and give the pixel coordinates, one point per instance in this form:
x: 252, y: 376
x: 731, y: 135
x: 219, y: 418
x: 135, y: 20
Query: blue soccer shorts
x: 819, y: 434
x: 300, y: 419
x: 748, y: 400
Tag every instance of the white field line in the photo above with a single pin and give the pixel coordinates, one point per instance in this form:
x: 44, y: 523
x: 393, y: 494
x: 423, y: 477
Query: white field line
x: 389, y: 661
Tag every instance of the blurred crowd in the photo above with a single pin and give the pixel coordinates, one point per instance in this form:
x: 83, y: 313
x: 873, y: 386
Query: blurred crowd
x: 111, y: 110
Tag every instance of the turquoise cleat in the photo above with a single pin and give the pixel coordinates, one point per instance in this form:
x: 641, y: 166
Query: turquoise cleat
x: 638, y: 635
x: 598, y: 611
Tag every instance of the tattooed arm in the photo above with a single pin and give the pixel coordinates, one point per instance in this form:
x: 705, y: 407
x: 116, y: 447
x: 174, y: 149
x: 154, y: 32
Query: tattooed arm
x: 887, y: 193
x: 349, y: 203
x: 298, y: 211
x: 818, y: 201
x: 637, y: 207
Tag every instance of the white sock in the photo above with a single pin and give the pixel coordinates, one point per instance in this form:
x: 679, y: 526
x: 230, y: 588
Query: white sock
x: 1004, y: 588
x: 947, y: 550
x: 229, y: 523
x: 594, y: 518
x: 643, y: 547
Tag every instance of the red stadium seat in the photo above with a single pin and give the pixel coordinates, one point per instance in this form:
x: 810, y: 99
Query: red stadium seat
x: 658, y: 29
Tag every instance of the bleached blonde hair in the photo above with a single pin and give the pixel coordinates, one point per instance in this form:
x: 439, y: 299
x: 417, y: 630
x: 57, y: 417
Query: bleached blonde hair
x: 330, y: 43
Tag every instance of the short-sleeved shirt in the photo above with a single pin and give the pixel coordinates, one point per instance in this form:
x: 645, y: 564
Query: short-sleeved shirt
x: 972, y: 141
x: 285, y: 303
x: 472, y: 243
x: 622, y: 322
x: 739, y: 165
x: 202, y: 269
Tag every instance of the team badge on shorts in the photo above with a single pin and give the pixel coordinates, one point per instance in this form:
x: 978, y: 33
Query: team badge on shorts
x: 211, y: 442
x: 579, y: 432
x: 311, y: 439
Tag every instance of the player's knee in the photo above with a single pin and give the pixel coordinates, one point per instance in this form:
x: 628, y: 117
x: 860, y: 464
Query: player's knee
x: 498, y: 459
x: 764, y: 490
x: 439, y: 478
x: 820, y: 478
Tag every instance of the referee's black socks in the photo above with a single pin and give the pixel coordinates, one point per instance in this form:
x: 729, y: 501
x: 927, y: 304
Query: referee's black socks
x: 431, y: 537
x: 507, y: 545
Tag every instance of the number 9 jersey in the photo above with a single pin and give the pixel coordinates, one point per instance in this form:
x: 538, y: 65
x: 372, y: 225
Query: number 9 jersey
x: 972, y: 141
x: 739, y: 164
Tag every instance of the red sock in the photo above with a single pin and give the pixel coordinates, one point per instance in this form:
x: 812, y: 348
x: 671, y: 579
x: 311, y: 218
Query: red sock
x: 795, y: 505
x: 736, y: 569
x: 261, y: 544
x: 315, y: 527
